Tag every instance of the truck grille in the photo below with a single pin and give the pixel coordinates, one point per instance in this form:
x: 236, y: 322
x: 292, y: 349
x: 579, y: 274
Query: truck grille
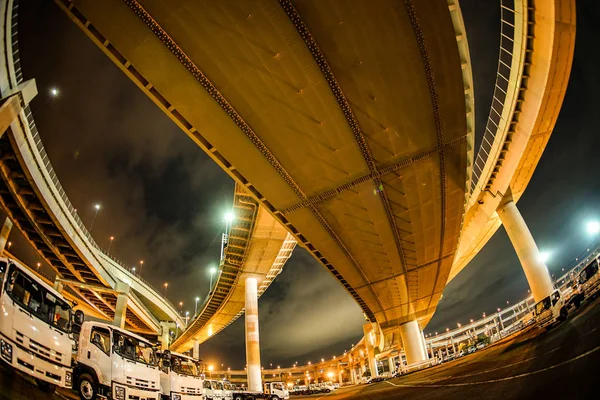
x: 38, y: 348
x: 191, y: 390
x: 141, y: 383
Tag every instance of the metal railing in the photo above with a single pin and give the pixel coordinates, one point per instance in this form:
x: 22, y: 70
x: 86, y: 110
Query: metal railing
x: 507, y: 36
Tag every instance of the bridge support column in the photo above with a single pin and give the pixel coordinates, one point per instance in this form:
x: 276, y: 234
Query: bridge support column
x: 535, y: 271
x: 164, y: 335
x: 252, y: 342
x: 340, y: 374
x: 6, y: 228
x: 412, y: 340
x: 391, y: 365
x: 196, y: 350
x: 369, y: 346
x: 121, y: 306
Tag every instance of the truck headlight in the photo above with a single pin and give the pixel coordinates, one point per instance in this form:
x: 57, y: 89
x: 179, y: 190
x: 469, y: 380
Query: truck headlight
x: 68, y: 379
x: 6, y: 350
x: 119, y: 393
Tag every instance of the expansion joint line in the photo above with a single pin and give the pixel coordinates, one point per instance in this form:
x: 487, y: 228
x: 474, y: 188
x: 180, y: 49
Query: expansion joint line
x: 414, y: 20
x: 360, y: 140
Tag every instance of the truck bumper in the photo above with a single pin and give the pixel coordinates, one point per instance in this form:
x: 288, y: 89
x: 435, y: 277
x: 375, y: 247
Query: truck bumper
x: 186, y: 396
x: 122, y: 392
x: 28, y: 362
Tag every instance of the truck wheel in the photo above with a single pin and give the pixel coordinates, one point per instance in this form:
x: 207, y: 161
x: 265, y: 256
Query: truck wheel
x: 87, y: 387
x: 275, y: 398
x: 238, y: 397
x: 564, y: 314
x: 45, y: 387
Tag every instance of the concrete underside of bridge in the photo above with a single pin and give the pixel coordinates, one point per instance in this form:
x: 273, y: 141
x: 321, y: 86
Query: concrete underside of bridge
x: 350, y: 123
x: 258, y: 247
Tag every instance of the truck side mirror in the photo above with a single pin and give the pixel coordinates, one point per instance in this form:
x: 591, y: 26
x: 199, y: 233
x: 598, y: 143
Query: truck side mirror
x: 78, y: 317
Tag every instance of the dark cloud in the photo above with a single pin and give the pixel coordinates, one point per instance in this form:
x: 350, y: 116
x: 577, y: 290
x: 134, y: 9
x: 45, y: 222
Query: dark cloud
x: 163, y: 198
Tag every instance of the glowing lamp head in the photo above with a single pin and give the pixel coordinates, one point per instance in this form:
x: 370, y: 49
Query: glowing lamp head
x: 229, y: 217
x: 54, y: 92
x: 212, y: 270
x: 593, y: 227
x: 544, y: 256
x: 97, y: 207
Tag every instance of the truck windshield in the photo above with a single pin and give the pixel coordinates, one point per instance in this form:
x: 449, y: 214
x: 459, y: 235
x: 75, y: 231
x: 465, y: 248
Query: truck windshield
x: 38, y: 300
x: 542, y: 306
x: 219, y: 385
x: 185, y: 366
x: 133, y: 348
x: 588, y: 272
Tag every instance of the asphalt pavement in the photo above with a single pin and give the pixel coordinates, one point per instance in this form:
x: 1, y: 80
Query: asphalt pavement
x: 562, y: 363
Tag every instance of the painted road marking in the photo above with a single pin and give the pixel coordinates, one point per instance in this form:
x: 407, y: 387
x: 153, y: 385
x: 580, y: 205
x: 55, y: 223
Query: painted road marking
x: 508, y: 378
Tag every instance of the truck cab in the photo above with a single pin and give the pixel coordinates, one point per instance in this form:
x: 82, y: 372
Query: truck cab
x: 551, y: 310
x: 212, y: 389
x: 180, y: 377
x: 276, y: 391
x: 228, y: 389
x: 36, y: 327
x: 115, y: 363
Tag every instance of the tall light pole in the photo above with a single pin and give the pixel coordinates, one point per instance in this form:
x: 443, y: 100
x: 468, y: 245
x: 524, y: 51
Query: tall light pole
x: 212, y: 270
x: 38, y: 267
x: 141, y: 266
x: 110, y: 244
x: 196, y: 306
x: 181, y: 308
x: 225, y: 236
x: 166, y: 286
x: 97, y: 207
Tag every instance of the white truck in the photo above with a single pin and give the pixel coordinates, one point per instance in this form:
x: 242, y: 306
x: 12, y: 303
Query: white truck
x: 36, y: 325
x: 551, y: 310
x: 115, y: 364
x: 181, y: 377
x: 271, y: 391
x: 213, y: 389
x: 587, y: 284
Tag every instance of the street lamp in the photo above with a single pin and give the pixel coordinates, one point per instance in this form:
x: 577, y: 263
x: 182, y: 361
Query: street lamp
x: 212, y: 270
x: 9, y: 244
x: 593, y: 227
x: 181, y: 307
x: 110, y: 244
x: 54, y: 92
x: 133, y: 270
x: 544, y: 256
x: 97, y: 207
x: 38, y: 266
x: 166, y: 286
x: 196, y: 307
x: 141, y: 266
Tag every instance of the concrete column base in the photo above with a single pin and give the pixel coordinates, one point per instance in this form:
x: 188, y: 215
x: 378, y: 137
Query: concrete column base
x: 412, y: 340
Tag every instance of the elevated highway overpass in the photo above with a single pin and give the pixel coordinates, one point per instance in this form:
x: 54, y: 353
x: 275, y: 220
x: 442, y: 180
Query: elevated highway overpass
x: 535, y: 58
x: 367, y: 163
x: 367, y: 168
x: 258, y: 246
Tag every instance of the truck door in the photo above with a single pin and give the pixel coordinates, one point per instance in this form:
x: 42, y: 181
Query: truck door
x: 98, y: 353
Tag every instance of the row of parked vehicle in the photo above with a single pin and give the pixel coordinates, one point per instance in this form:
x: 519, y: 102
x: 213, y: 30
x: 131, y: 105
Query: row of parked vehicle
x: 41, y: 335
x: 555, y: 308
x: 314, y: 388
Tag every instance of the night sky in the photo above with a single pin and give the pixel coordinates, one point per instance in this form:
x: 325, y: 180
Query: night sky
x: 164, y: 200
